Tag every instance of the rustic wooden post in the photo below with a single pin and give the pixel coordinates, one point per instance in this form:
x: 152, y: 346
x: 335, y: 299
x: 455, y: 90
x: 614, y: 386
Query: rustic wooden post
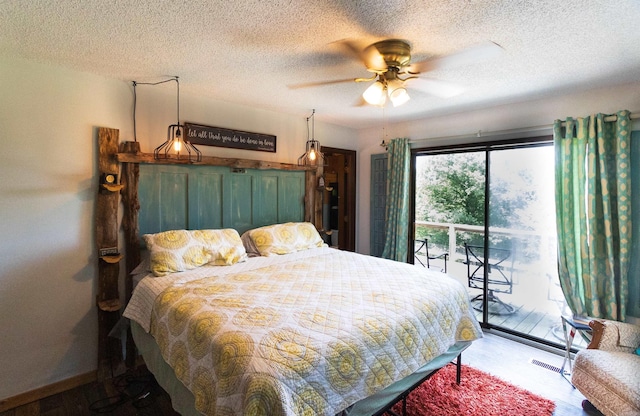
x: 318, y: 194
x: 131, y: 207
x: 107, y: 299
x: 313, y: 198
x: 309, y: 196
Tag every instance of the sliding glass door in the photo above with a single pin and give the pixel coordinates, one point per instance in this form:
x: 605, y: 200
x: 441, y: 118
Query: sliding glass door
x: 491, y: 209
x: 522, y: 237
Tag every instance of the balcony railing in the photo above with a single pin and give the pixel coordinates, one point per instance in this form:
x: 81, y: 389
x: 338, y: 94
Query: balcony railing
x: 546, y: 242
x: 537, y: 295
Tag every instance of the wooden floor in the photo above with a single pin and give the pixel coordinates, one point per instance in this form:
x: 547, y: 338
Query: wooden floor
x: 120, y: 396
x: 512, y: 361
x: 504, y: 358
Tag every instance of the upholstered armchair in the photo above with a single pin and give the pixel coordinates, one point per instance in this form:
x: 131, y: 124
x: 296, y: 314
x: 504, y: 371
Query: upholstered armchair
x: 607, y: 373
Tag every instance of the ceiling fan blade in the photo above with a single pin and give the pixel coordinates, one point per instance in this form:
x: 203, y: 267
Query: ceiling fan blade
x: 474, y: 54
x: 435, y: 87
x: 360, y: 102
x: 319, y: 83
x: 368, y: 54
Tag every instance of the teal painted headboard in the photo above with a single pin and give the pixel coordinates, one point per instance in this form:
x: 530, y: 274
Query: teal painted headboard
x: 204, y: 197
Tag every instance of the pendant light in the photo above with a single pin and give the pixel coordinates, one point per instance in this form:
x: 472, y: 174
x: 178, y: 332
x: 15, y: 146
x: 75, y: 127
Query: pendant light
x: 312, y: 155
x: 176, y: 146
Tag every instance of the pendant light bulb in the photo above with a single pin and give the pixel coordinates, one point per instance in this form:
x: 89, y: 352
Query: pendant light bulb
x: 177, y: 142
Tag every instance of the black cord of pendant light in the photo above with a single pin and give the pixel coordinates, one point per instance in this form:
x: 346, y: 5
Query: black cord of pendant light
x: 313, y: 125
x: 177, y: 101
x: 135, y: 100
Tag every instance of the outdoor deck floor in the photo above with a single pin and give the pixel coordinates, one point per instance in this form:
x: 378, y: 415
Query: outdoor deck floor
x: 538, y: 301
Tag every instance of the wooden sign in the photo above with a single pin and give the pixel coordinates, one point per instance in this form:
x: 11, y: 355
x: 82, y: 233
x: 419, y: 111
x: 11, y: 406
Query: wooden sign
x: 221, y: 137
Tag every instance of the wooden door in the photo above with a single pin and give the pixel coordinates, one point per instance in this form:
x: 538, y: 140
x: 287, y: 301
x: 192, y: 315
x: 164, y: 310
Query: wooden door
x: 339, y: 196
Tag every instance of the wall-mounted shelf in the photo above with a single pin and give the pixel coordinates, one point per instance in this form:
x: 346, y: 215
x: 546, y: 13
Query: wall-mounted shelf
x: 110, y: 305
x: 112, y: 258
x: 325, y: 188
x: 112, y: 187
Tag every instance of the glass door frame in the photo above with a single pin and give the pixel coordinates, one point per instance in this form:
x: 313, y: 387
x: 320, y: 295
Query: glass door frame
x: 485, y: 147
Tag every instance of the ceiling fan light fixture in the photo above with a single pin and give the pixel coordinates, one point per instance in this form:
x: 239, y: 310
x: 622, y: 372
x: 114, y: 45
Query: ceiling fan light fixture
x: 397, y: 92
x: 375, y: 94
x: 389, y: 63
x: 399, y: 97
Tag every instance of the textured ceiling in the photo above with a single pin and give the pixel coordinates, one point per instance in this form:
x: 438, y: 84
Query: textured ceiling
x: 250, y: 51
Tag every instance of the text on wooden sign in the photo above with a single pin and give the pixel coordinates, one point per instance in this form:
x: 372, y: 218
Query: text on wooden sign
x: 221, y: 137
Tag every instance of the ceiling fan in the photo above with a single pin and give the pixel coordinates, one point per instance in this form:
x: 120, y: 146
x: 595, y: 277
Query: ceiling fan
x: 390, y: 62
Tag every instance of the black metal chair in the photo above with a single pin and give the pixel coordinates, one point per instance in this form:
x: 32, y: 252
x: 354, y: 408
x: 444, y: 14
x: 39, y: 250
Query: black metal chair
x: 500, y: 279
x: 424, y: 243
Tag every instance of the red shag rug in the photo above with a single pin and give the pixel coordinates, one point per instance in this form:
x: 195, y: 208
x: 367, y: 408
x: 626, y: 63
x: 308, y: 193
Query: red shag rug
x: 479, y: 393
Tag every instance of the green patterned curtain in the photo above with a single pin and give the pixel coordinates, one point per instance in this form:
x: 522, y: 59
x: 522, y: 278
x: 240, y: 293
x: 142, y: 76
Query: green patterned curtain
x: 593, y: 210
x: 397, y: 211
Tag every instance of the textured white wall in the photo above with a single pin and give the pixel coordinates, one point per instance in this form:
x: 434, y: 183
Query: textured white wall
x: 47, y: 166
x: 48, y: 119
x: 429, y: 132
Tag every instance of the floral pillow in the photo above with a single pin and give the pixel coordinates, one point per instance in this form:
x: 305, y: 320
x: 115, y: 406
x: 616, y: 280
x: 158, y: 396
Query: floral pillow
x: 179, y: 250
x: 285, y: 238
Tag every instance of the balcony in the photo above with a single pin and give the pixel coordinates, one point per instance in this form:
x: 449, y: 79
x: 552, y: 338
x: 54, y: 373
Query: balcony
x: 535, y: 294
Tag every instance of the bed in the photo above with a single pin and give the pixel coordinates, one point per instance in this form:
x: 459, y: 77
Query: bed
x: 302, y: 330
x: 274, y: 322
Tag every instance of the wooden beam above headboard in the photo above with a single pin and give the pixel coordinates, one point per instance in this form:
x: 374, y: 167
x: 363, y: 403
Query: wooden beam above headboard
x: 212, y: 161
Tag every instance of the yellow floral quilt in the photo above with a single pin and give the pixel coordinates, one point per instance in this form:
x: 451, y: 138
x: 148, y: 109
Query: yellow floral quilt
x: 307, y: 337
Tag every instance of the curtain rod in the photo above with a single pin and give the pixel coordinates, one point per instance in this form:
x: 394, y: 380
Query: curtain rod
x: 523, y: 130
